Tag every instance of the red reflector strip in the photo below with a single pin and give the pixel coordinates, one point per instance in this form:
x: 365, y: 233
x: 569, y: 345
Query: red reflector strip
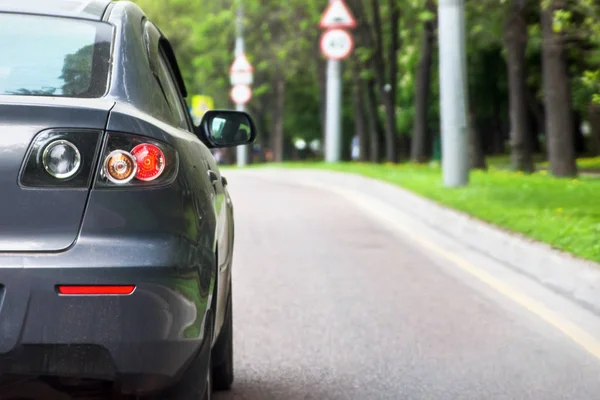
x: 100, y: 290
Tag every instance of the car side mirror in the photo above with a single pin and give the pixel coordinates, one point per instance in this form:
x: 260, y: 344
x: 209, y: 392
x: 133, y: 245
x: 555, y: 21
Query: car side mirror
x: 226, y: 128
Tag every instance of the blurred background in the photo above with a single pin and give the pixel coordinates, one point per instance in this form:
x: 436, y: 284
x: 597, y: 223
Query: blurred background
x: 506, y: 59
x: 533, y: 71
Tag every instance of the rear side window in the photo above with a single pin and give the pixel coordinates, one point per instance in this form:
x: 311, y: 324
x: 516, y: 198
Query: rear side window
x: 171, y: 92
x: 52, y: 56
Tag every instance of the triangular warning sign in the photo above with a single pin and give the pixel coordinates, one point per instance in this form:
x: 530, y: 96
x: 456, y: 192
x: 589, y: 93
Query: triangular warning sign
x: 241, y: 64
x: 337, y: 15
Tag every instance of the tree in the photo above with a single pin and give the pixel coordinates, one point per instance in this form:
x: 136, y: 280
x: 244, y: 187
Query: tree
x: 421, y: 139
x: 515, y: 39
x: 359, y: 111
x: 372, y: 37
x: 557, y: 95
x: 391, y: 94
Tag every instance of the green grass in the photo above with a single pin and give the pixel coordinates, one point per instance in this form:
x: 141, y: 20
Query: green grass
x: 589, y: 164
x: 563, y: 213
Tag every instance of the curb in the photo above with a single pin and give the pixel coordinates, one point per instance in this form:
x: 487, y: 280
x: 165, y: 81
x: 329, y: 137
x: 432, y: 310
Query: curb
x: 571, y: 277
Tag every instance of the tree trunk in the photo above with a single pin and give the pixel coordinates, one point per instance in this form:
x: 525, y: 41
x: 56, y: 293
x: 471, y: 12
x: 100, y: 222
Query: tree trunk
x: 393, y: 150
x: 279, y: 98
x: 516, y: 44
x: 371, y: 36
x: 557, y: 98
x: 421, y: 139
x: 594, y: 119
x: 476, y: 154
x: 390, y: 128
x: 386, y: 92
x: 537, y: 121
x: 322, y: 76
x: 359, y: 113
x: 373, y: 120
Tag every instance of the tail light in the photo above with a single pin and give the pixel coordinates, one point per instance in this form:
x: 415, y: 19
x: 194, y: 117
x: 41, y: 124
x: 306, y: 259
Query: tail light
x: 67, y: 158
x: 61, y: 158
x: 89, y: 290
x: 120, y: 167
x: 130, y: 160
x: 150, y: 161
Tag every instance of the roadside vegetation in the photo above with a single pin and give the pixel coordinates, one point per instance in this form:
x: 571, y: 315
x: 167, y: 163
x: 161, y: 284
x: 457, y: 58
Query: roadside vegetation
x: 516, y: 51
x: 533, y: 70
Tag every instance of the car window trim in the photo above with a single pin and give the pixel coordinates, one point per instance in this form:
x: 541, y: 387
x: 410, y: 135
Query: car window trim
x: 180, y: 96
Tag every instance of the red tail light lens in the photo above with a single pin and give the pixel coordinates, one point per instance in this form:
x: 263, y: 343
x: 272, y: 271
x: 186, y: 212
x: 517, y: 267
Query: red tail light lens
x: 150, y: 161
x: 96, y: 290
x: 136, y: 161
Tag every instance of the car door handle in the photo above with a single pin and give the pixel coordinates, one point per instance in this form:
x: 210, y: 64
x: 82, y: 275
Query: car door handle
x: 214, y: 178
x: 224, y: 181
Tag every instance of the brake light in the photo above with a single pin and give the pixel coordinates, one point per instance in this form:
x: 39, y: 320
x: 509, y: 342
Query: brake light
x: 122, y: 290
x: 136, y: 161
x: 150, y: 161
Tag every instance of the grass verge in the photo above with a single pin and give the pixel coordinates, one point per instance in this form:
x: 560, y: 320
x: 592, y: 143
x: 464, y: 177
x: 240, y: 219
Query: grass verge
x: 564, y: 213
x: 585, y: 165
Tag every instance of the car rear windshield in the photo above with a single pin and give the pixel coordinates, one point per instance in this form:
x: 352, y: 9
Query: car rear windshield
x: 53, y: 56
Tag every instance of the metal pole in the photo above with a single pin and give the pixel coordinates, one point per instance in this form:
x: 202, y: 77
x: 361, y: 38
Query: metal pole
x: 453, y: 89
x: 242, y: 151
x: 334, y: 111
x: 333, y: 116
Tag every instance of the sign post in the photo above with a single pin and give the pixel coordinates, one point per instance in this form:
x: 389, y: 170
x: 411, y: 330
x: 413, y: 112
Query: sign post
x: 453, y: 93
x: 336, y: 44
x: 241, y: 75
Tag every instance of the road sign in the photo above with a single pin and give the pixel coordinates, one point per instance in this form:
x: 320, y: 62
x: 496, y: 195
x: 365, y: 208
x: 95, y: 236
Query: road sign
x: 336, y: 44
x: 201, y: 104
x: 241, y: 94
x: 241, y: 71
x: 337, y: 15
x: 241, y: 78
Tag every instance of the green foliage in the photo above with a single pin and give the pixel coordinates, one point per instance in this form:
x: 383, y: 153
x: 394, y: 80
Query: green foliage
x: 579, y: 21
x: 282, y: 38
x: 562, y: 20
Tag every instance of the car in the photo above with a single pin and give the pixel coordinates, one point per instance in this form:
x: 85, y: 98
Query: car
x: 116, y: 225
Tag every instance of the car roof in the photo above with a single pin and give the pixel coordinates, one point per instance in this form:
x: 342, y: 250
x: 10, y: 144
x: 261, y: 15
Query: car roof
x: 85, y: 9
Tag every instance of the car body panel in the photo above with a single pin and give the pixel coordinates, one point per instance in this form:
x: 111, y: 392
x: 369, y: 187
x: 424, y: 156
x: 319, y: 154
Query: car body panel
x: 28, y: 214
x: 155, y: 330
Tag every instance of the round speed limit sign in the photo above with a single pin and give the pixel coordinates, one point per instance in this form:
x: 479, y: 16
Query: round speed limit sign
x: 337, y: 44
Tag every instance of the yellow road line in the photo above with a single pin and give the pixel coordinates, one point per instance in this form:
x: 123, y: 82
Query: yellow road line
x: 383, y: 212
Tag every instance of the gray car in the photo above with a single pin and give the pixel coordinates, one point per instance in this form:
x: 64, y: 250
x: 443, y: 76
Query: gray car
x: 116, y: 226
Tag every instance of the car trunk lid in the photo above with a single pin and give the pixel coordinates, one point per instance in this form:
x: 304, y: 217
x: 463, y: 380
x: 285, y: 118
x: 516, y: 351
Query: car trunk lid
x: 36, y: 214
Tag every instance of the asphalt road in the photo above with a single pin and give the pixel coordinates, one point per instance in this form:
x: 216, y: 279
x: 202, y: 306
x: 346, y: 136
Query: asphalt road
x: 330, y: 303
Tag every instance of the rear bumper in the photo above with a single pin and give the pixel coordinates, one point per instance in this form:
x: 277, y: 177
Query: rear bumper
x: 143, y: 340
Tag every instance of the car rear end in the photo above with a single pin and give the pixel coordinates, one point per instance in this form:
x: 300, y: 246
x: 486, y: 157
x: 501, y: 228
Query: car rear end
x: 102, y: 275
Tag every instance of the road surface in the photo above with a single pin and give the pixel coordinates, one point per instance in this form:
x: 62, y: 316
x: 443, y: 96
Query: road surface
x: 331, y: 303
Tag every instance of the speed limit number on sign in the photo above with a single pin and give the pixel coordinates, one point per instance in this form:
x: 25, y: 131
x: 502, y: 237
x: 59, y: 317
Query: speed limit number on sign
x: 337, y: 44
